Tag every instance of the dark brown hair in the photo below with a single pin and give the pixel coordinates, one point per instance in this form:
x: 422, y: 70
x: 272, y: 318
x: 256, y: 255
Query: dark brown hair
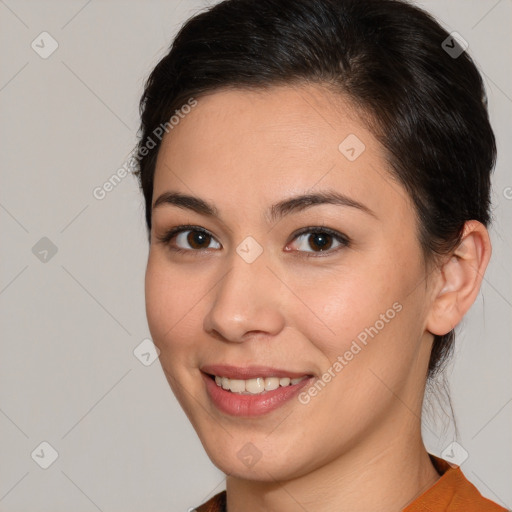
x: 424, y: 103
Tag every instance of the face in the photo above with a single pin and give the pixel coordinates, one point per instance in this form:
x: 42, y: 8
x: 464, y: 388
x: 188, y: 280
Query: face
x: 256, y: 286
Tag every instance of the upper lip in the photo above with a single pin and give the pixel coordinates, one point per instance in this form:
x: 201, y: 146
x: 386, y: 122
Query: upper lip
x: 249, y: 372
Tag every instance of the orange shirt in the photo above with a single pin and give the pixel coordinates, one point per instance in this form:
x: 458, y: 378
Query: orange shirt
x: 453, y: 492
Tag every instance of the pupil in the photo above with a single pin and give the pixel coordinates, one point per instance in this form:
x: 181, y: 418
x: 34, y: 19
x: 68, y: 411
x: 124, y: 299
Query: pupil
x: 321, y: 240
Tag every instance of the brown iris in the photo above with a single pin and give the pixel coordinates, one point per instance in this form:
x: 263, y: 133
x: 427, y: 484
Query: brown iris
x: 320, y: 241
x: 196, y: 239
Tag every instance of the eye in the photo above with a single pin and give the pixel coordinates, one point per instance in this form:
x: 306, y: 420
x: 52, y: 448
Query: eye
x: 310, y: 240
x: 319, y: 239
x: 188, y: 238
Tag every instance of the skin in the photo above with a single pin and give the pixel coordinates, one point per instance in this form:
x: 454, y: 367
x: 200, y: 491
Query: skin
x: 356, y: 446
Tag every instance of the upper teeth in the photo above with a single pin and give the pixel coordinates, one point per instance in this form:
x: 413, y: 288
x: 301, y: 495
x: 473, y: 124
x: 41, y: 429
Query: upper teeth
x: 255, y: 386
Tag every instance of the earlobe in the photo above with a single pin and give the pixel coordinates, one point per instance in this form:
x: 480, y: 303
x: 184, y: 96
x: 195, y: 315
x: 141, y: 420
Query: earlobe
x: 459, y: 279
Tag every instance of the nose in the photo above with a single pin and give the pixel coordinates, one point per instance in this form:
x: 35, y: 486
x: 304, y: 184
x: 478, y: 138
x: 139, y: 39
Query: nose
x: 247, y: 301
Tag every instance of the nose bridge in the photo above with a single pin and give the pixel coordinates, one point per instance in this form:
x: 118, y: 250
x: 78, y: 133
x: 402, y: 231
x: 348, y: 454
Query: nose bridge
x: 246, y: 298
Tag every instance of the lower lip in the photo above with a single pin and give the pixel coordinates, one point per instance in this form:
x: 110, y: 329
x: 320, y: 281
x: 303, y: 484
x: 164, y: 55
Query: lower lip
x: 236, y: 404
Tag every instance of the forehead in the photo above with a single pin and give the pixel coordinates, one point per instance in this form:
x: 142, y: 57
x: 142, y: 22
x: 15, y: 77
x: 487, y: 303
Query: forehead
x: 292, y: 121
x: 263, y: 145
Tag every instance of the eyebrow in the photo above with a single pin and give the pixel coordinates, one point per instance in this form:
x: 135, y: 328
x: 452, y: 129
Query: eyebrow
x: 275, y: 212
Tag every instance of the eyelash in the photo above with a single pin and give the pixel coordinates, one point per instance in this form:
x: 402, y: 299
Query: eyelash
x: 342, y: 239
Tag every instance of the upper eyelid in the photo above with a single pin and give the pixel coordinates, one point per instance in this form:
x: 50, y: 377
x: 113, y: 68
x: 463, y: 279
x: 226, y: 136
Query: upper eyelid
x: 318, y: 229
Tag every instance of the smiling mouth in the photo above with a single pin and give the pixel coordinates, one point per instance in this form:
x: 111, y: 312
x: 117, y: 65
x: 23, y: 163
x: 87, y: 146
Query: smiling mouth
x: 250, y: 391
x: 255, y: 386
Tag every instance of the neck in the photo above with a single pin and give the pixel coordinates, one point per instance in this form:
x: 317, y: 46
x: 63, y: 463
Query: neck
x: 388, y: 474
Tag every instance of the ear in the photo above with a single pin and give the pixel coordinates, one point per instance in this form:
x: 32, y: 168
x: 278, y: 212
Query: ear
x: 459, y: 279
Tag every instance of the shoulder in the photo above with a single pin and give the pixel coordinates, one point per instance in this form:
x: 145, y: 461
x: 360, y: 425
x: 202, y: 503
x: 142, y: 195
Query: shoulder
x: 453, y: 492
x: 215, y: 504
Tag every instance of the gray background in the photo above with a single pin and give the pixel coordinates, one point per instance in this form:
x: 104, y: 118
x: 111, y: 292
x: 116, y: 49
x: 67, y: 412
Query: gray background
x: 70, y: 323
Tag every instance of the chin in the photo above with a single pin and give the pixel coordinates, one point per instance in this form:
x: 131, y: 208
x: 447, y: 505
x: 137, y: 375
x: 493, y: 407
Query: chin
x: 254, y: 457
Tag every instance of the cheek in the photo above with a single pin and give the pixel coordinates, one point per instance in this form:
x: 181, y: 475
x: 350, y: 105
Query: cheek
x: 158, y: 300
x: 370, y: 316
x: 172, y: 321
x: 342, y: 307
x: 170, y: 304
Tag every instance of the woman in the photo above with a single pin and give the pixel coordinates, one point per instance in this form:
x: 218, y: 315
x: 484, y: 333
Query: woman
x: 316, y: 176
